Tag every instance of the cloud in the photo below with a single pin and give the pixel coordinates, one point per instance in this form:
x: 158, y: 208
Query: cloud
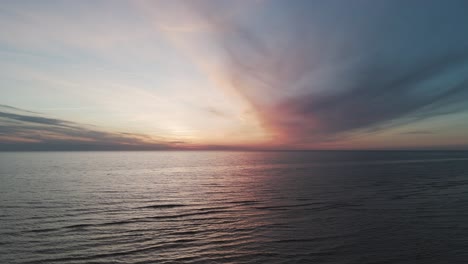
x: 16, y: 109
x: 417, y: 132
x: 34, y: 119
x: 216, y: 112
x: 19, y: 131
x: 313, y: 79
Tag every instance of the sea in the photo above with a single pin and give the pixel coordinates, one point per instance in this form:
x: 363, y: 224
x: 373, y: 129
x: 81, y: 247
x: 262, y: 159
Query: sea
x: 334, y: 207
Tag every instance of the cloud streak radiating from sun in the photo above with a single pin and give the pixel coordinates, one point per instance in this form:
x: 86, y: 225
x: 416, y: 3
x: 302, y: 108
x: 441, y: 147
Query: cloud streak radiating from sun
x: 316, y: 77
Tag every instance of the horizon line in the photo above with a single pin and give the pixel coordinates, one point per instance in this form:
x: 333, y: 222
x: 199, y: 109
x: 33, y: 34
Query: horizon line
x: 233, y: 150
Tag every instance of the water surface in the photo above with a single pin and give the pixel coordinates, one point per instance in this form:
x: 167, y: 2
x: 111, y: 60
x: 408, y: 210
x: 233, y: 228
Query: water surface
x: 234, y: 207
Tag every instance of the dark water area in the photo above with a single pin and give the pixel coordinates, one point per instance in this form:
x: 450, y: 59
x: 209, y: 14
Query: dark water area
x: 234, y: 207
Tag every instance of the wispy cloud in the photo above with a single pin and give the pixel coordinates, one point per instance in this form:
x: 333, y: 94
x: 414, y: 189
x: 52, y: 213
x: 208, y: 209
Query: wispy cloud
x: 312, y: 79
x: 19, y: 131
x: 417, y: 132
x: 16, y: 109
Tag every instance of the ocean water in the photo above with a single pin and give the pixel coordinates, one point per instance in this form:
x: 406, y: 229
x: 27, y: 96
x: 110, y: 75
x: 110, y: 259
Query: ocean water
x: 234, y: 207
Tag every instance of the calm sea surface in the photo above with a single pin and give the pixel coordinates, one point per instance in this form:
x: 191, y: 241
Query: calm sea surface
x: 234, y: 207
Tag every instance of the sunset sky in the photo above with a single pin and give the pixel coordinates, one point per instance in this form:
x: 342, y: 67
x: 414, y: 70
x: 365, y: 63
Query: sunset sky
x: 148, y: 75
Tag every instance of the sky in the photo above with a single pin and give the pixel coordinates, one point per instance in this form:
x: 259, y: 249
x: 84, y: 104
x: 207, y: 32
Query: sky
x: 246, y: 74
